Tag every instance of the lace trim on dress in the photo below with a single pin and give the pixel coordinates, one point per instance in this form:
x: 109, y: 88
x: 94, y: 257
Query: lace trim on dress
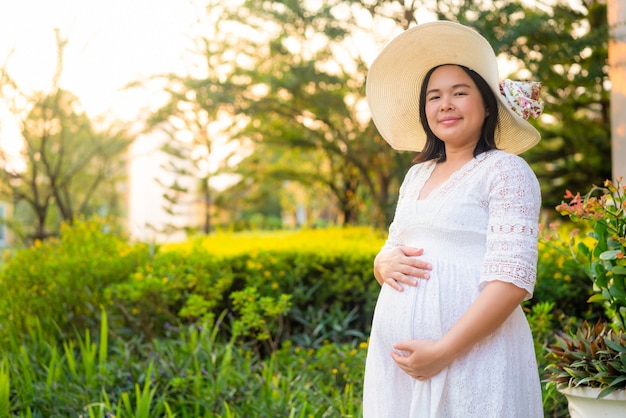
x: 514, y: 229
x: 417, y: 177
x: 421, y: 173
x: 461, y: 174
x: 515, y: 273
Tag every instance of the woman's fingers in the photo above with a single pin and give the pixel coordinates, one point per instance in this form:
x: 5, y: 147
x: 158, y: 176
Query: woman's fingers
x: 401, y: 266
x: 419, y: 359
x: 394, y: 284
x: 411, y: 264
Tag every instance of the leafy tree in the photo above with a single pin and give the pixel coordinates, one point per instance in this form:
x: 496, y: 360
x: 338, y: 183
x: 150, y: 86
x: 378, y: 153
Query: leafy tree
x: 298, y: 92
x: 313, y: 95
x: 69, y: 169
x: 272, y: 67
x: 566, y: 48
x: 200, y: 112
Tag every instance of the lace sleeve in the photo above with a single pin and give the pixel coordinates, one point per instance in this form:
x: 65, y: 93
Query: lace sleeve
x: 514, y: 204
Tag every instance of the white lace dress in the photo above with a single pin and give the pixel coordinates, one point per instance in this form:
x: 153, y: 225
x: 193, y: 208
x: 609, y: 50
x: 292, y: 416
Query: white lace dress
x: 479, y: 226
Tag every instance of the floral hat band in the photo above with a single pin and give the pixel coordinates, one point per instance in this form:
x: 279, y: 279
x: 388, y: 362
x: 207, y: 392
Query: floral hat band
x: 522, y: 97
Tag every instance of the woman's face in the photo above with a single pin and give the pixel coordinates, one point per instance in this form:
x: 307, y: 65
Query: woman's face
x: 455, y: 110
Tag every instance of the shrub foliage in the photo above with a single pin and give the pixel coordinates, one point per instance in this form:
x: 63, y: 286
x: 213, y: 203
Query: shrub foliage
x: 247, y: 324
x: 60, y: 283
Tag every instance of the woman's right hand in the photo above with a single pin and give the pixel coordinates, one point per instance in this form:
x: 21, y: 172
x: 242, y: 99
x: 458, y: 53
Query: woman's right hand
x: 400, y: 265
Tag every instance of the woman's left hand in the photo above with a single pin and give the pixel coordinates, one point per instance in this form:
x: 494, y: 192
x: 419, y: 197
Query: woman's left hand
x: 423, y: 359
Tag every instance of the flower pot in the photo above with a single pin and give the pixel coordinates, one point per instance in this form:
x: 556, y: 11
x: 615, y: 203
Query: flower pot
x: 583, y: 402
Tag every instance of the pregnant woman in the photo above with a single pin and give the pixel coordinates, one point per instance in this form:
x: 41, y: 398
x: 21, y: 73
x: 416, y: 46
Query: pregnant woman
x: 449, y: 338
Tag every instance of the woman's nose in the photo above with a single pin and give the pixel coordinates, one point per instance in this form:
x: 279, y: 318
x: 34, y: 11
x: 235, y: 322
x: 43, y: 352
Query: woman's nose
x: 445, y: 105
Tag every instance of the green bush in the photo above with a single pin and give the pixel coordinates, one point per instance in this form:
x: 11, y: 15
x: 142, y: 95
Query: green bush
x: 172, y: 287
x: 560, y: 280
x: 60, y: 282
x: 291, y: 312
x: 319, y: 271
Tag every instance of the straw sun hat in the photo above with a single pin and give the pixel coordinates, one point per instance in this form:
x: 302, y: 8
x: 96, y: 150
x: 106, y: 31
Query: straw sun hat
x: 395, y: 78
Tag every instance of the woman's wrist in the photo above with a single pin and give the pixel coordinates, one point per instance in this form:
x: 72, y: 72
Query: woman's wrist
x: 377, y: 273
x: 447, y: 351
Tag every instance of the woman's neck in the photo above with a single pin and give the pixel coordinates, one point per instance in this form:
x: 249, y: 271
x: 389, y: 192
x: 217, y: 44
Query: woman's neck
x: 459, y: 156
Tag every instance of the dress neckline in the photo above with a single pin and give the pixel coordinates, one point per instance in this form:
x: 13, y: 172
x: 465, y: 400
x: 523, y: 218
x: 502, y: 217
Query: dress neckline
x: 451, y: 181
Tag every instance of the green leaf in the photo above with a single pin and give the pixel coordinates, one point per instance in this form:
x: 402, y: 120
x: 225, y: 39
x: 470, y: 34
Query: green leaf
x: 617, y: 288
x: 601, y: 280
x: 617, y: 293
x: 609, y: 255
x: 607, y: 391
x: 596, y: 298
x: 601, y: 246
x: 586, y: 380
x: 621, y: 270
x: 618, y: 380
x: 597, y: 268
x: 583, y: 249
x: 608, y: 265
x: 617, y: 347
x: 574, y: 373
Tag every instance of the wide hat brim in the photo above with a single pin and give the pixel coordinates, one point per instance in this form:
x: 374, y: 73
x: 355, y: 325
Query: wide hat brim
x: 396, y: 75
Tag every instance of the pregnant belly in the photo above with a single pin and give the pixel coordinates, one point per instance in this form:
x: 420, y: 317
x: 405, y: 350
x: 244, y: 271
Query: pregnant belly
x: 408, y: 315
x: 429, y: 310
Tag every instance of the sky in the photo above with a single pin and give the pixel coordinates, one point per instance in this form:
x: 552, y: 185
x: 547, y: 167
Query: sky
x: 110, y: 43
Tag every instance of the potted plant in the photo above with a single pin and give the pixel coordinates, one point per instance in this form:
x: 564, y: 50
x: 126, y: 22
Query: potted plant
x: 588, y: 365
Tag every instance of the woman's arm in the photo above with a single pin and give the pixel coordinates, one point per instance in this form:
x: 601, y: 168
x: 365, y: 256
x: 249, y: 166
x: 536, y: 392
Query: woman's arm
x: 488, y: 312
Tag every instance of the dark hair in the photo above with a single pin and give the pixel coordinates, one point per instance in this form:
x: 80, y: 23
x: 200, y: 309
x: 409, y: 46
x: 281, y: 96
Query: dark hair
x: 434, y: 147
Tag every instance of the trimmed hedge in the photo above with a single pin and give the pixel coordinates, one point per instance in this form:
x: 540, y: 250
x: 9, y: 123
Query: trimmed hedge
x: 317, y: 270
x: 312, y: 274
x: 292, y: 296
x: 59, y: 284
